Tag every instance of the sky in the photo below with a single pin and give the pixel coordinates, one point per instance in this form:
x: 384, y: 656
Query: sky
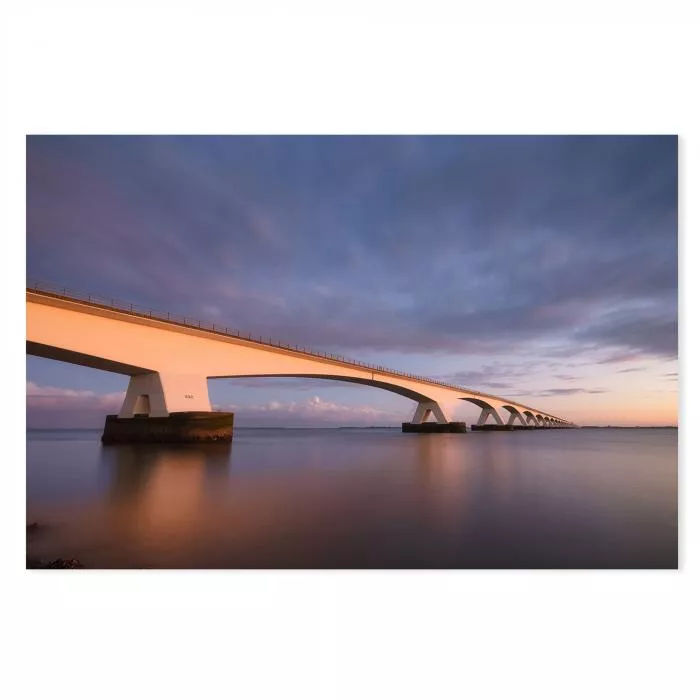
x: 542, y: 269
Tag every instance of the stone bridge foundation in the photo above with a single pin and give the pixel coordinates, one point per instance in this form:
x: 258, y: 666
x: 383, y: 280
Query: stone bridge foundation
x: 182, y: 427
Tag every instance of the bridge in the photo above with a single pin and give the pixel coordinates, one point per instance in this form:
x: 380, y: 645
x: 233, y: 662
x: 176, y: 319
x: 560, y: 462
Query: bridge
x: 170, y: 357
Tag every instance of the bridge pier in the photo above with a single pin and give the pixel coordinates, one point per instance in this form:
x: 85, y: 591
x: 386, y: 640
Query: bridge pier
x: 181, y: 427
x: 158, y: 394
x: 487, y: 427
x: 442, y: 423
x: 166, y: 407
x: 451, y: 427
x: 486, y: 411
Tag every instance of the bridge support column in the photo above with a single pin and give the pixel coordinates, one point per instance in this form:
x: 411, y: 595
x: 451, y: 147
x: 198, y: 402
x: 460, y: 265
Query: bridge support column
x: 530, y: 419
x: 516, y: 415
x: 166, y: 407
x: 442, y: 423
x: 144, y: 396
x: 487, y: 411
x: 498, y: 423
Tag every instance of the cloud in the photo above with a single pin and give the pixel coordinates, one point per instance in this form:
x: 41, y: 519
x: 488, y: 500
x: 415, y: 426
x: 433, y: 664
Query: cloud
x: 50, y: 406
x: 60, y: 399
x: 313, y: 411
x: 508, y: 376
x: 561, y: 391
x: 569, y: 391
x: 496, y: 375
x: 58, y: 407
x: 636, y: 333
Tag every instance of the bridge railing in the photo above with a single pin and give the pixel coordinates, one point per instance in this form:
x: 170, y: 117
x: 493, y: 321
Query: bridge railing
x: 189, y: 322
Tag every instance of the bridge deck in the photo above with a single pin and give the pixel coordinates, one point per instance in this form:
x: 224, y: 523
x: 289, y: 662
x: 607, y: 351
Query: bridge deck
x: 178, y: 320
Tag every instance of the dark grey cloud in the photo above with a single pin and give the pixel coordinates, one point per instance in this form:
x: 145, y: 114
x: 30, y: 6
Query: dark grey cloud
x: 636, y: 332
x: 565, y: 391
x: 493, y: 375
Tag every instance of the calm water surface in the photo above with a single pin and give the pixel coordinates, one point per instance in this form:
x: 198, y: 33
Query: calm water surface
x: 358, y: 499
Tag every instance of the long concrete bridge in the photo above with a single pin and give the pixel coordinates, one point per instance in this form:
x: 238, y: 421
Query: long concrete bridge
x: 169, y: 359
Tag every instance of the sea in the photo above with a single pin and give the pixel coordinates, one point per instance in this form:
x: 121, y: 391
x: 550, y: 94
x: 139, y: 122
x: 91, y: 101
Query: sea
x: 357, y: 498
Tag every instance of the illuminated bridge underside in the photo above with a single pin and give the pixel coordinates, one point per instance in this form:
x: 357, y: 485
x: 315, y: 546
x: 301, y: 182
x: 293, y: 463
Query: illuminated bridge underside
x: 169, y: 363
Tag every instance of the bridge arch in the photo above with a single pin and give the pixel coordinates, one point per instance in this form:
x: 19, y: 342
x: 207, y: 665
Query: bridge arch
x: 428, y: 404
x: 514, y: 413
x: 530, y: 417
x: 376, y: 383
x: 487, y: 410
x: 432, y: 402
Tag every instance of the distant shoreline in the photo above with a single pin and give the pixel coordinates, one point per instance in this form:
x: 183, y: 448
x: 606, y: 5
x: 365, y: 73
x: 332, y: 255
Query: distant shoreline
x: 630, y: 427
x: 370, y: 427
